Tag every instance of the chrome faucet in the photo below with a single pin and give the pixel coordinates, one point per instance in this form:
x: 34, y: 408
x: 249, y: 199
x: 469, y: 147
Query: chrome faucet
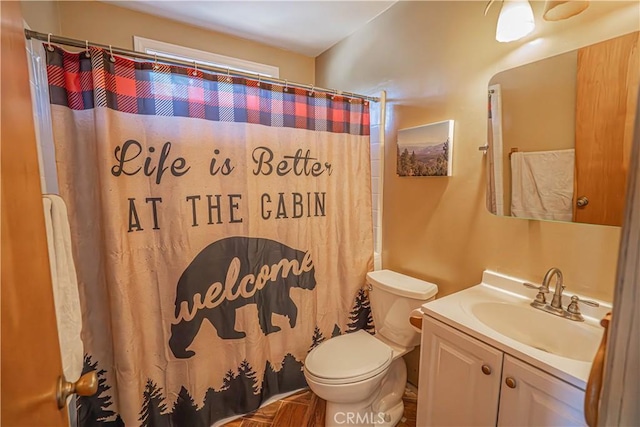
x: 556, y: 301
x: 541, y: 300
x: 555, y: 307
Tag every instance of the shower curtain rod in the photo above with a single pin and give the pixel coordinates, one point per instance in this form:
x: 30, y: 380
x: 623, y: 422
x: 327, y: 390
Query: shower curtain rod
x: 49, y: 38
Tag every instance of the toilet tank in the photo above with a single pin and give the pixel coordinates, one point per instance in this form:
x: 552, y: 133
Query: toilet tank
x: 393, y: 297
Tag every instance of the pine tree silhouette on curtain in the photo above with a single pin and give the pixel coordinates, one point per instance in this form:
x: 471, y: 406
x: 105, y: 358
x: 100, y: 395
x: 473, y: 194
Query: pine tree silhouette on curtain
x: 336, y: 331
x: 317, y: 338
x: 360, y: 316
x: 291, y: 373
x: 249, y: 397
x: 153, y: 412
x: 93, y: 410
x: 185, y: 411
x: 240, y: 393
x: 228, y: 379
x: 247, y: 374
x: 290, y: 377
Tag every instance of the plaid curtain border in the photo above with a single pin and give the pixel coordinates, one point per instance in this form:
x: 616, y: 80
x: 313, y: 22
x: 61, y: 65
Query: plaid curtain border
x: 86, y: 80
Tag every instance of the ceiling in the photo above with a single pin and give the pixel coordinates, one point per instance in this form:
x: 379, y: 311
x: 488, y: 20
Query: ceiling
x: 307, y: 27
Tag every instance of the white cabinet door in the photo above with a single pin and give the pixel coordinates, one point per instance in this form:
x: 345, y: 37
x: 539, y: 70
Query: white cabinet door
x: 453, y: 389
x: 531, y: 397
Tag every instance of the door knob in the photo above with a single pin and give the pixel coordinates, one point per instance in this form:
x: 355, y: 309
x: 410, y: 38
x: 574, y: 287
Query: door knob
x: 86, y: 385
x: 486, y: 369
x: 582, y: 202
x: 510, y: 382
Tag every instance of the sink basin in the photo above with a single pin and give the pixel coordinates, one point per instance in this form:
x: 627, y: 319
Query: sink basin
x: 540, y: 330
x: 497, y: 311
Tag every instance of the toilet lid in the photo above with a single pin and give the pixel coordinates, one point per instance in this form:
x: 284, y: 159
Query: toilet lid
x: 350, y: 357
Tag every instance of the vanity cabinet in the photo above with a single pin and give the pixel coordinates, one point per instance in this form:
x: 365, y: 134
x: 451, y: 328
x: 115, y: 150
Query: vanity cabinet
x: 464, y: 381
x: 459, y: 382
x: 531, y: 397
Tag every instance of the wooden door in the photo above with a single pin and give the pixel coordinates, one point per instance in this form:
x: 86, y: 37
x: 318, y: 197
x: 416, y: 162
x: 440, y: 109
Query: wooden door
x: 606, y: 100
x: 459, y: 381
x: 30, y: 355
x: 537, y: 398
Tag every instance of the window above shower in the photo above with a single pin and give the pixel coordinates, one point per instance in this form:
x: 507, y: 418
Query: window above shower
x: 173, y: 51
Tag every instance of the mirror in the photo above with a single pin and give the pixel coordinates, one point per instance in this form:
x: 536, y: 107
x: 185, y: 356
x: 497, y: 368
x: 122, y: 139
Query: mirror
x: 560, y: 132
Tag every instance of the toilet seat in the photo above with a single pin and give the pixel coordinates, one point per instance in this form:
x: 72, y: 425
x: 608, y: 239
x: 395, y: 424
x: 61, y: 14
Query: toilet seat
x: 348, y: 359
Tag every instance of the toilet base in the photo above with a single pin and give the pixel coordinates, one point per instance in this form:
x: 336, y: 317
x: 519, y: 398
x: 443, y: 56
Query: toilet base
x: 383, y: 409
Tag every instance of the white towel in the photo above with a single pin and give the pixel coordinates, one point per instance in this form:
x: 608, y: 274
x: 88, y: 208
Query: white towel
x: 65, y: 286
x: 542, y: 184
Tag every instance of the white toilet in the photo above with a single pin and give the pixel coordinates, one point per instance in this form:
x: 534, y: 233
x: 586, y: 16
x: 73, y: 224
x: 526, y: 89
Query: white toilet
x: 363, y: 377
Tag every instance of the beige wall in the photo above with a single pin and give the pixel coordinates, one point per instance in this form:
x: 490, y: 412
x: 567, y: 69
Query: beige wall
x: 42, y: 16
x: 538, y: 109
x: 435, y: 60
x: 109, y: 24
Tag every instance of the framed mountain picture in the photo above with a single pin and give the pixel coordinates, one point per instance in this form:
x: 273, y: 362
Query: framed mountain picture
x: 426, y: 150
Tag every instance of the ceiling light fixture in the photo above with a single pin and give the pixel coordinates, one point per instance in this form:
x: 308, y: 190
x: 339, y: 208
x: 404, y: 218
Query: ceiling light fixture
x: 559, y: 10
x: 515, y: 20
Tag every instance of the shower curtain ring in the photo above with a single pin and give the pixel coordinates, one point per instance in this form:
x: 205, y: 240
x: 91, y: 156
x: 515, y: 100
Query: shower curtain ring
x: 286, y: 85
x: 49, y: 46
x: 195, y: 66
x: 111, y: 57
x: 155, y: 62
x: 312, y: 89
x: 259, y: 78
x: 86, y: 45
x: 229, y: 79
x: 335, y: 93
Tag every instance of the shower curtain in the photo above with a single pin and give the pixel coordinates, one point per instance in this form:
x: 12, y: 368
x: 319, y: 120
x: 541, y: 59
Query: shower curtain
x: 221, y: 228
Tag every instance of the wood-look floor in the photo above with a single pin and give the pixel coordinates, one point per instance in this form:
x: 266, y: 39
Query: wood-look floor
x: 305, y: 409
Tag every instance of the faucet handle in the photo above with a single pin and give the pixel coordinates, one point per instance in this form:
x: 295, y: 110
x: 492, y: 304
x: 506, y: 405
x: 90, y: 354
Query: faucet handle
x: 540, y: 300
x: 575, y: 299
x: 536, y: 287
x: 573, y: 311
